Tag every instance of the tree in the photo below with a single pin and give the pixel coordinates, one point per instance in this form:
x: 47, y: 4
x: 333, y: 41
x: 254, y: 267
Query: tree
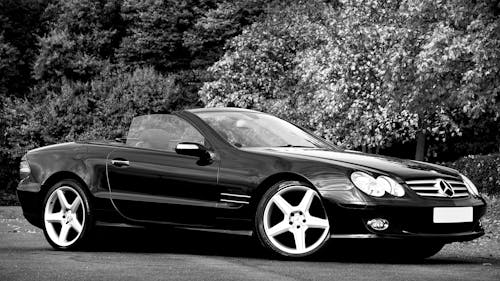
x: 99, y: 109
x: 19, y: 28
x: 9, y: 56
x: 258, y: 68
x: 82, y: 39
x: 155, y: 33
x: 459, y: 59
x: 215, y: 24
x: 182, y: 38
x: 364, y: 73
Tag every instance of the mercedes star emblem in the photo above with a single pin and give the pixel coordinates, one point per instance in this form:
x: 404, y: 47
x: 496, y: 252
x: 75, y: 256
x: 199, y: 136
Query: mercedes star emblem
x: 445, y: 188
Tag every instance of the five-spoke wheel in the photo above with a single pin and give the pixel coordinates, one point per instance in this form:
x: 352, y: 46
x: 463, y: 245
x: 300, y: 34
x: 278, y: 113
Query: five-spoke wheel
x: 66, y: 216
x: 291, y: 220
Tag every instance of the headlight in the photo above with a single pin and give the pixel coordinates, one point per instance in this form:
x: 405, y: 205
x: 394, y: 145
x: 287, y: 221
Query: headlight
x: 470, y: 186
x: 391, y: 186
x: 377, y: 187
x: 24, y: 167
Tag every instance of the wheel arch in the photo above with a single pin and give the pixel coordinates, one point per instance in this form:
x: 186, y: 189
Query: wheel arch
x: 59, y: 176
x: 270, y: 181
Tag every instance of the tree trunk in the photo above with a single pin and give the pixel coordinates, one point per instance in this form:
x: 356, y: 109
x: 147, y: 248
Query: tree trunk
x: 420, y: 150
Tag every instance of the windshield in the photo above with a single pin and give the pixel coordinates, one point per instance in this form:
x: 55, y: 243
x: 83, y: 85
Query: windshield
x: 254, y: 129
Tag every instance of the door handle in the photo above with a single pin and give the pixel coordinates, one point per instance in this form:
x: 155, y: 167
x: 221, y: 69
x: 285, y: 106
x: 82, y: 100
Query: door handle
x: 120, y: 163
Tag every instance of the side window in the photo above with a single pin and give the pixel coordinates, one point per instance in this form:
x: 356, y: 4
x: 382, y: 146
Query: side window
x: 161, y: 131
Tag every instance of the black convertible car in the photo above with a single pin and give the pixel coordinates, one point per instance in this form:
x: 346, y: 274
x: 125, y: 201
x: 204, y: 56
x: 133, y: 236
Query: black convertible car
x: 244, y: 171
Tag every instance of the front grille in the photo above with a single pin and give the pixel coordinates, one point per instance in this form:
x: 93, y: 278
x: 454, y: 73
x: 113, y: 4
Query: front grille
x: 430, y: 188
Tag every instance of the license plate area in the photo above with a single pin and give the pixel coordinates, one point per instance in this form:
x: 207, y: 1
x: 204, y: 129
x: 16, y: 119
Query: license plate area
x: 452, y: 214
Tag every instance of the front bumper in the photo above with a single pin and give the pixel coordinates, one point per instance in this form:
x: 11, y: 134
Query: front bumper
x: 406, y: 221
x: 28, y: 194
x: 445, y: 238
x: 31, y: 205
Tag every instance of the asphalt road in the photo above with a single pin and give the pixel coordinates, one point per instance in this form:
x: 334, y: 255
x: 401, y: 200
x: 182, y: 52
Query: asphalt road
x: 132, y: 254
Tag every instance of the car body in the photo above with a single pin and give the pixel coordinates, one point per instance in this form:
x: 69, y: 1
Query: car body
x: 200, y: 179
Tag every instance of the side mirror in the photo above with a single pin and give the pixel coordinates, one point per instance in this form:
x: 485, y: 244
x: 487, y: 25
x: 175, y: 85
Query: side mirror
x: 193, y: 149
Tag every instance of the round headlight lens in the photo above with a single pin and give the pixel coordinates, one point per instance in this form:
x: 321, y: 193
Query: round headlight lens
x: 470, y: 186
x: 367, y: 184
x: 377, y: 187
x: 391, y: 186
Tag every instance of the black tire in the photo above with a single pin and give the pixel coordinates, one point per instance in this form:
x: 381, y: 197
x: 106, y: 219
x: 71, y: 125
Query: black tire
x: 259, y: 228
x: 84, y: 210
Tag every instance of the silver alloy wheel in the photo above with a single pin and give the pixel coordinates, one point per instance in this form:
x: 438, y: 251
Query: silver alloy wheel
x: 64, y: 221
x: 297, y: 220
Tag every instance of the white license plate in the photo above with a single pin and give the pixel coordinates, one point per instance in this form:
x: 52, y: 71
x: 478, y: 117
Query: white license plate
x: 452, y: 214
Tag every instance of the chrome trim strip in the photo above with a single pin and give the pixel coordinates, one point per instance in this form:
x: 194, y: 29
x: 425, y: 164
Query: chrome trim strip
x: 421, y: 182
x: 117, y: 224
x: 430, y: 188
x: 217, y: 230
x: 235, y: 195
x: 353, y: 236
x: 441, y: 195
x: 455, y: 182
x: 432, y: 195
x: 130, y: 196
x: 234, y: 201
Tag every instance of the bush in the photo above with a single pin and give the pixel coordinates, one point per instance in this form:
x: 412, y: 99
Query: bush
x: 99, y: 109
x: 483, y: 170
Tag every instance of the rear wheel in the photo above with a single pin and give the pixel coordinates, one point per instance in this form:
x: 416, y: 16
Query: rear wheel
x: 291, y: 220
x: 67, y: 216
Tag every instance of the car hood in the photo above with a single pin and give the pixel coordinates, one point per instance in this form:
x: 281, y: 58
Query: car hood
x: 403, y: 168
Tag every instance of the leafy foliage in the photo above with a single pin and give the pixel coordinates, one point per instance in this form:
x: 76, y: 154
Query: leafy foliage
x: 258, y: 68
x: 370, y: 73
x: 483, y: 170
x: 154, y: 33
x: 19, y: 29
x: 101, y: 108
x: 9, y: 55
x: 82, y: 38
x: 118, y: 97
x: 215, y: 25
x: 380, y: 75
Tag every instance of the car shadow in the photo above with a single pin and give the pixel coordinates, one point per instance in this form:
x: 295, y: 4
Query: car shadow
x: 193, y: 242
x: 180, y: 241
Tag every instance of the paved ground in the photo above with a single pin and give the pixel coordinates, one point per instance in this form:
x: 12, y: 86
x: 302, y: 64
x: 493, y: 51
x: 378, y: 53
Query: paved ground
x: 129, y: 254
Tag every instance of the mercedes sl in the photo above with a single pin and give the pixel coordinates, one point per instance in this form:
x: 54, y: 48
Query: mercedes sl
x: 243, y: 171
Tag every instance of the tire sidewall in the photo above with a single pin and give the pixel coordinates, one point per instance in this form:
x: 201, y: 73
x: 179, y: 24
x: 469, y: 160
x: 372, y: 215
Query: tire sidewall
x: 259, y: 223
x: 89, y: 219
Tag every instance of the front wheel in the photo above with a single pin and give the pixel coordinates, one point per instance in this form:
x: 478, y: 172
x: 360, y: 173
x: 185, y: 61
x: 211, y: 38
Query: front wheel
x: 291, y: 220
x: 67, y: 216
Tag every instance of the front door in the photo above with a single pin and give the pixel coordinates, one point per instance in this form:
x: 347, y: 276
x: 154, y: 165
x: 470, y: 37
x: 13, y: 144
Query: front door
x: 149, y: 181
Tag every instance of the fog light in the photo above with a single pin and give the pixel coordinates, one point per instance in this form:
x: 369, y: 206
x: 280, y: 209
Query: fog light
x: 378, y: 224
